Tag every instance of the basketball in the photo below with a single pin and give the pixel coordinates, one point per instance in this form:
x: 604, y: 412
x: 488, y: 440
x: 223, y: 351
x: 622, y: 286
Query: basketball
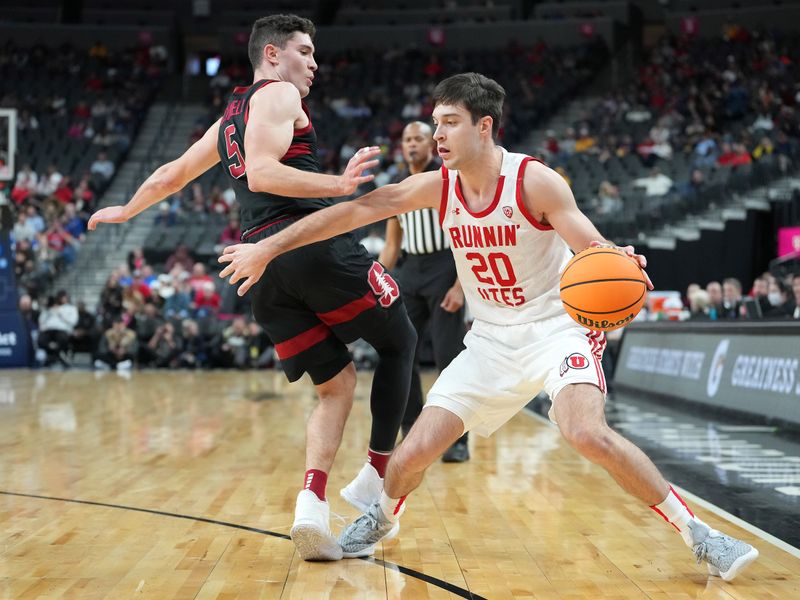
x: 603, y: 288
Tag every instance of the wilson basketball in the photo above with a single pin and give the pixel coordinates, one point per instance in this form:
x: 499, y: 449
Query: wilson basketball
x: 603, y: 288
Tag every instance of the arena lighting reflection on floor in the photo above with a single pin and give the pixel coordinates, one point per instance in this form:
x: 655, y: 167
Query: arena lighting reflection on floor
x: 750, y: 470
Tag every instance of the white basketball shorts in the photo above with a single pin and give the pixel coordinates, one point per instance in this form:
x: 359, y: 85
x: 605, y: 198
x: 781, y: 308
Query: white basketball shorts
x: 505, y: 366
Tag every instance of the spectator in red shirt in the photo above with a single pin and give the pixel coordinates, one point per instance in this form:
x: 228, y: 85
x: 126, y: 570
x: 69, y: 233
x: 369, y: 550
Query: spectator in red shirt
x: 93, y: 83
x: 232, y: 233
x: 206, y: 299
x: 734, y: 155
x: 433, y: 69
x: 83, y: 195
x: 64, y: 192
x: 199, y: 277
x: 61, y: 242
x: 139, y: 286
x: 82, y: 111
x: 25, y: 184
x: 180, y: 257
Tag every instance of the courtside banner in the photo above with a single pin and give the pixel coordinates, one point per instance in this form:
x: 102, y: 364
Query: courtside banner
x: 752, y: 367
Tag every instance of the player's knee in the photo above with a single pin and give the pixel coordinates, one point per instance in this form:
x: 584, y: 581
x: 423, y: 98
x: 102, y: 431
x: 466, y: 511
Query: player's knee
x: 409, y: 458
x: 340, y: 389
x: 592, y: 441
x: 403, y: 340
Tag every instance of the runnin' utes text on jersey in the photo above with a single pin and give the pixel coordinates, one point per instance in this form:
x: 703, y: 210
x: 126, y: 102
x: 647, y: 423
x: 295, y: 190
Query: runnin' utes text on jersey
x: 508, y: 263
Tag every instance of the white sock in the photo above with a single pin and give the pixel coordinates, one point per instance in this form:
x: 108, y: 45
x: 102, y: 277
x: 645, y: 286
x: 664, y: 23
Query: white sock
x: 391, y: 507
x: 675, y: 512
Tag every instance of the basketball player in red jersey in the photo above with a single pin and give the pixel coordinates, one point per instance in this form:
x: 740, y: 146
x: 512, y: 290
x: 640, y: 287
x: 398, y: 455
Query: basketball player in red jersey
x: 318, y: 299
x: 512, y: 222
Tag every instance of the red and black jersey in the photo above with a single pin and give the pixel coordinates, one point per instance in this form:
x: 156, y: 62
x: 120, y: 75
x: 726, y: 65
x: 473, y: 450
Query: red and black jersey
x: 259, y: 208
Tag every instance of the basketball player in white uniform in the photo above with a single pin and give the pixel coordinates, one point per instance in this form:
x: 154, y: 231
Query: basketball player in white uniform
x: 512, y: 222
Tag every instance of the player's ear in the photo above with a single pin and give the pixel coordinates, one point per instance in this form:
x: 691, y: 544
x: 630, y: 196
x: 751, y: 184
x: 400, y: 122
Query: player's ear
x: 486, y: 124
x: 270, y: 54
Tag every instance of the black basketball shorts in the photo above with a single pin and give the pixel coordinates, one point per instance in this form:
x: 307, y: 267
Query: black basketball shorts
x: 314, y: 300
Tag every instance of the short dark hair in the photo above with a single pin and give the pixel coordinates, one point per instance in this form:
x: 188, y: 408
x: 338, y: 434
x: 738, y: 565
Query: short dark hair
x: 477, y: 93
x: 275, y: 30
x: 734, y: 282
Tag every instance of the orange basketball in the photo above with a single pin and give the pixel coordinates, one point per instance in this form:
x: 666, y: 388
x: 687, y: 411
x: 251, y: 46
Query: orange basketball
x: 603, y: 288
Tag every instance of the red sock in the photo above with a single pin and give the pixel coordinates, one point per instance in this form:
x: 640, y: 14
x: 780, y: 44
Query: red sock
x: 378, y: 460
x: 316, y: 481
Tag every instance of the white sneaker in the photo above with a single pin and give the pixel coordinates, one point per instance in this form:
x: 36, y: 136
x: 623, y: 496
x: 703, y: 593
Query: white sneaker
x: 124, y: 365
x: 364, y: 491
x: 726, y: 556
x: 311, y: 531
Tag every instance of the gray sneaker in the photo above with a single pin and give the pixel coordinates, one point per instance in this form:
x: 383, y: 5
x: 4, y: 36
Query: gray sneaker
x: 726, y: 556
x: 360, y: 537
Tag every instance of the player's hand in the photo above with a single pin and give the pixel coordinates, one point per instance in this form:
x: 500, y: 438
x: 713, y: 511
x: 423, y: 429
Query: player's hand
x: 629, y: 250
x: 353, y: 175
x: 245, y: 261
x: 109, y: 214
x: 453, y: 299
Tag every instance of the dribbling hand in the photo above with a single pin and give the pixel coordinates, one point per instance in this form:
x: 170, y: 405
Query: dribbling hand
x: 453, y: 300
x: 629, y: 250
x: 109, y: 214
x: 361, y: 161
x: 245, y: 261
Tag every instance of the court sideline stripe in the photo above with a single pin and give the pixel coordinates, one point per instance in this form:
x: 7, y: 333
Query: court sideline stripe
x: 449, y: 587
x: 767, y: 537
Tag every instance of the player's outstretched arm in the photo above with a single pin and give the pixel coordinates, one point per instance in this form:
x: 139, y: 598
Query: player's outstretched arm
x: 394, y: 240
x: 168, y: 179
x: 549, y: 199
x: 273, y: 111
x: 248, y: 261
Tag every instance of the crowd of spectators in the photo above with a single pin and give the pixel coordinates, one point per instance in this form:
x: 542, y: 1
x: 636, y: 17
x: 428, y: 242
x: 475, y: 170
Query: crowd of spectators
x: 736, y: 107
x: 770, y: 298
x: 364, y: 98
x: 77, y: 113
x: 702, y: 118
x: 700, y: 112
x: 170, y: 317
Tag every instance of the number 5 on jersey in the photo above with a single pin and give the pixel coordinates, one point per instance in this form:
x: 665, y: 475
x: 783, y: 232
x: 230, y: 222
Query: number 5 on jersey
x: 237, y: 167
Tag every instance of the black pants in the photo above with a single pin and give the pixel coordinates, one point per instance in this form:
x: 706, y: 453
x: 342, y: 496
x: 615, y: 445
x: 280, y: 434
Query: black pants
x: 53, y: 342
x: 425, y: 280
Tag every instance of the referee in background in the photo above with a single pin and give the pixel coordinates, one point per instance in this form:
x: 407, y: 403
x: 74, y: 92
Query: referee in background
x: 427, y: 277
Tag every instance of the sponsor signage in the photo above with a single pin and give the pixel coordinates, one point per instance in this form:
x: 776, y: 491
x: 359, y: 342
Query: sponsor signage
x: 15, y: 342
x: 788, y: 240
x: 15, y: 339
x: 739, y: 367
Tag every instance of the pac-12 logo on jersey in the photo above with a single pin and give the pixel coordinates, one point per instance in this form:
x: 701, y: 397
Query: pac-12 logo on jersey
x: 573, y: 361
x: 508, y: 211
x: 382, y: 284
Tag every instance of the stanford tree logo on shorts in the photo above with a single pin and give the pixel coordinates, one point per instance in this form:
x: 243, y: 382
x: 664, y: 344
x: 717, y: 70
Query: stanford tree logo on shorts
x: 573, y: 361
x: 382, y: 284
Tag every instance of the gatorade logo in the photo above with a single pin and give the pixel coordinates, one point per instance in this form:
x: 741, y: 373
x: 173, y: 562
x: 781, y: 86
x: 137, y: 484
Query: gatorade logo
x: 716, y: 368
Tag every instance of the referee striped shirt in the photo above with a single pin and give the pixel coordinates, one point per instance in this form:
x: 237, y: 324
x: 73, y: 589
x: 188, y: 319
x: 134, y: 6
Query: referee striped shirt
x: 421, y: 231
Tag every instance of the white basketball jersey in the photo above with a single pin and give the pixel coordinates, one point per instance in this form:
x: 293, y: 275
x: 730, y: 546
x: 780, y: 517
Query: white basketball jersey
x: 508, y: 263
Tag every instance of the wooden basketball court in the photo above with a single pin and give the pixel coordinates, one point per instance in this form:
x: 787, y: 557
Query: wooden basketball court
x: 182, y: 485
